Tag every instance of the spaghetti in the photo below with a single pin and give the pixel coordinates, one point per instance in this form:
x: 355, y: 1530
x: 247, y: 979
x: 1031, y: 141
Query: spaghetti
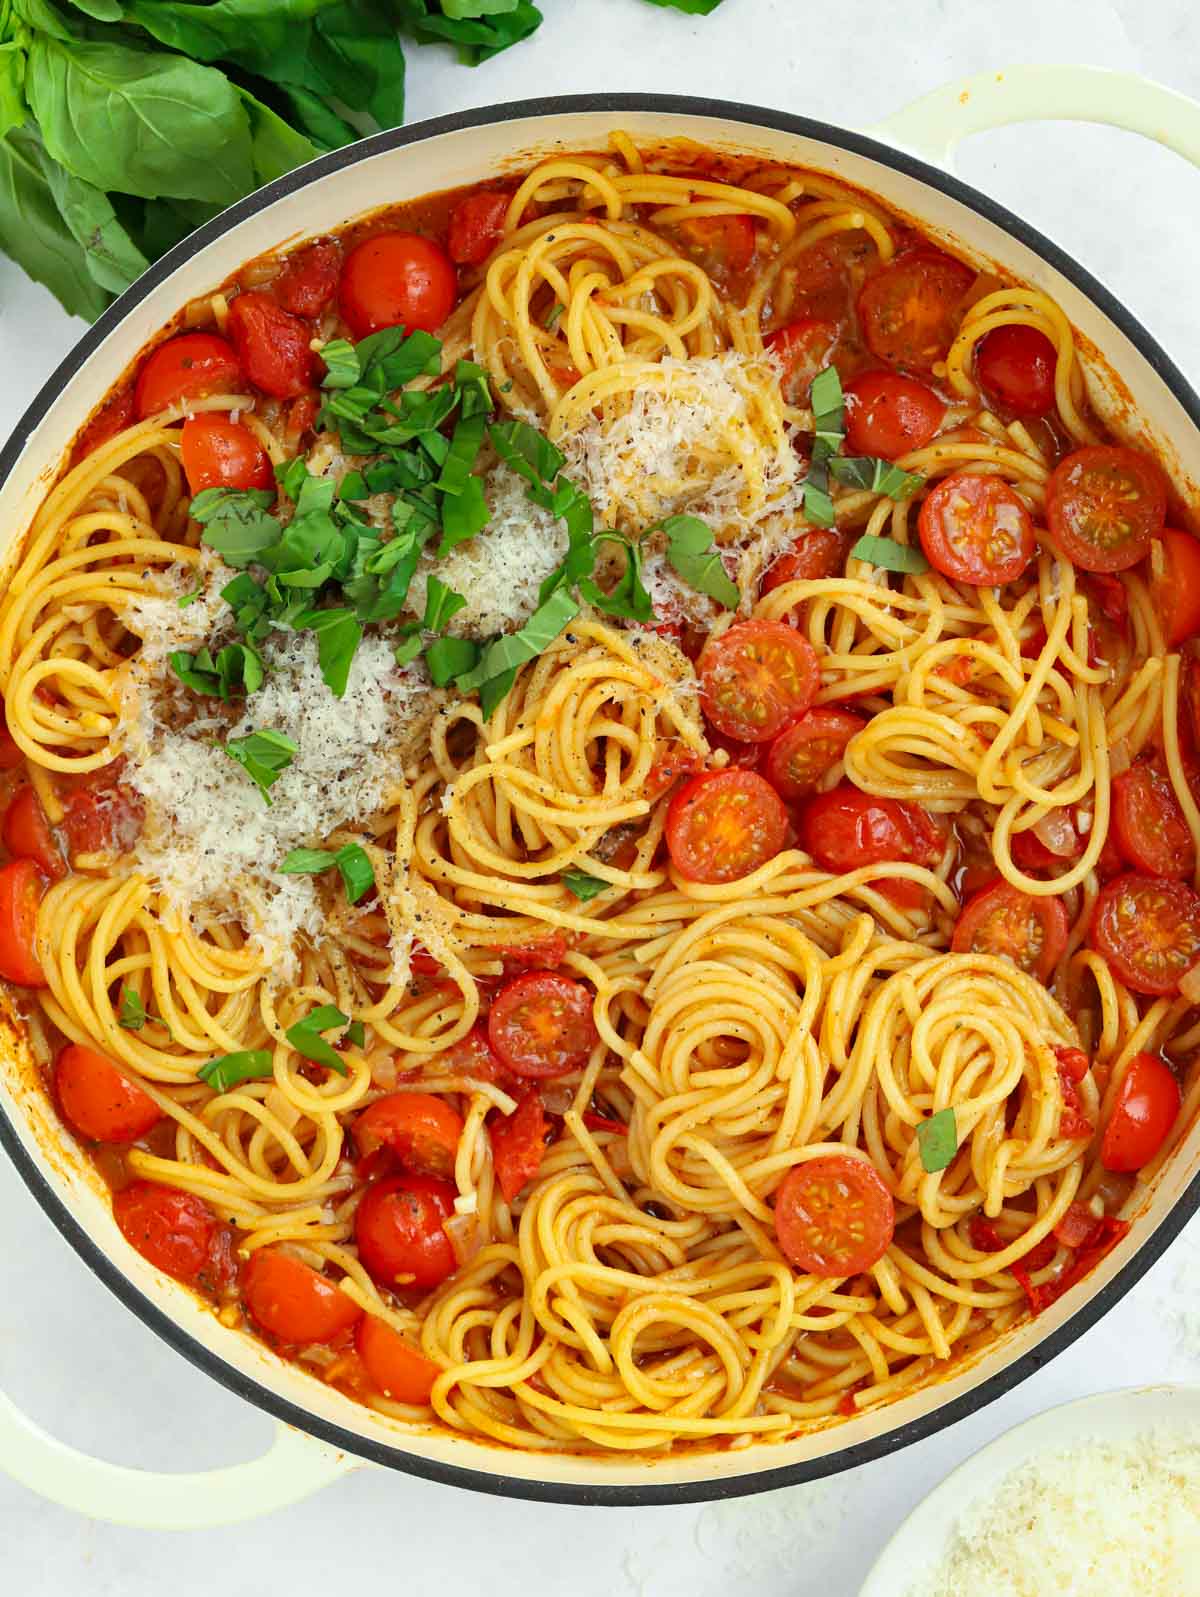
x: 713, y: 1012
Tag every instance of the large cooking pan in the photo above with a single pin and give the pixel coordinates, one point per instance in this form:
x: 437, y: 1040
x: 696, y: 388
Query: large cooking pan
x: 322, y: 1433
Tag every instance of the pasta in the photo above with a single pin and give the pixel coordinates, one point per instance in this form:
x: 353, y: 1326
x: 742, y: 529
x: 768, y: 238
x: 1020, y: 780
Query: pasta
x: 759, y: 977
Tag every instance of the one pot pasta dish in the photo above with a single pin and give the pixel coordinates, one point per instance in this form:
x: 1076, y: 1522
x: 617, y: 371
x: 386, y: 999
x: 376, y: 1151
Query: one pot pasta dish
x: 600, y: 805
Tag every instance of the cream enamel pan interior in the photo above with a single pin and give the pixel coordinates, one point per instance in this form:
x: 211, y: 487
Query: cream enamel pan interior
x: 1135, y: 376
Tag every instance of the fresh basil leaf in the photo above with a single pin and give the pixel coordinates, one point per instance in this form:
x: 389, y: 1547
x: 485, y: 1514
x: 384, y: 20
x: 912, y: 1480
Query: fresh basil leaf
x: 339, y: 633
x: 693, y: 8
x: 690, y: 552
x: 252, y: 1064
x: 818, y: 505
x: 238, y: 668
x: 356, y: 1035
x: 447, y: 658
x: 875, y: 476
x: 196, y: 671
x: 493, y: 692
x: 583, y: 886
x: 393, y: 357
x: 306, y: 862
x: 305, y: 1036
x: 186, y: 599
x: 828, y: 408
x: 511, y: 651
x: 408, y: 649
x: 353, y: 486
x: 355, y: 869
x: 551, y: 321
x: 529, y: 452
x: 474, y: 389
x: 628, y: 598
x: 890, y: 555
x: 937, y: 1139
x: 477, y: 37
x: 441, y: 605
x: 263, y: 755
x: 464, y: 509
x: 236, y: 523
x: 33, y: 232
x: 112, y: 258
x: 132, y: 1014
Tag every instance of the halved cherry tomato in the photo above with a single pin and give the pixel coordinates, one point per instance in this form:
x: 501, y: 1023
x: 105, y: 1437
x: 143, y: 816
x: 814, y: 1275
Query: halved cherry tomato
x: 220, y: 453
x: 1108, y: 1232
x: 476, y: 226
x: 400, y: 1233
x: 1175, y: 585
x: 803, y: 349
x: 1030, y: 853
x: 1149, y: 825
x: 821, y: 552
x: 834, y: 1216
x: 1148, y: 929
x: 306, y: 284
x: 422, y: 1130
x: 1104, y: 506
x: 757, y: 678
x: 98, y: 1100
x: 103, y: 813
x: 177, y: 1232
x: 518, y: 1144
x: 671, y: 766
x: 1077, y: 1226
x: 397, y: 279
x: 27, y: 834
x: 846, y: 829
x: 910, y: 310
x: 21, y: 890
x: 976, y: 530
x: 1009, y: 924
x: 723, y: 825
x: 399, y: 1371
x: 541, y: 1024
x: 294, y: 1303
x: 474, y: 1056
x: 272, y: 345
x: 187, y: 367
x: 822, y: 276
x: 113, y: 418
x: 723, y: 245
x: 803, y: 752
x: 1147, y: 1106
x: 1015, y: 367
x: 890, y: 415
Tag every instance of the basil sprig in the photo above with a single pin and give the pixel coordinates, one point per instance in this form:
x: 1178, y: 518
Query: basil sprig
x: 305, y: 1036
x: 351, y: 863
x: 854, y: 471
x: 264, y: 756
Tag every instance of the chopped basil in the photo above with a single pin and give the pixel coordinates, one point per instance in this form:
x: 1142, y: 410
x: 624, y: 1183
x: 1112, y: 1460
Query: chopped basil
x: 356, y: 1034
x: 875, y: 476
x: 937, y: 1138
x: 186, y: 599
x: 305, y: 1036
x: 353, y: 486
x: 828, y: 406
x: 448, y: 658
x: 252, y: 1064
x: 343, y: 368
x: 339, y: 633
x: 584, y: 886
x: 236, y: 523
x: 555, y: 312
x: 508, y: 653
x: 350, y: 861
x: 690, y: 552
x: 628, y: 598
x: 238, y: 668
x: 493, y: 692
x: 132, y: 1014
x: 464, y: 509
x: 890, y: 555
x: 263, y: 755
x: 529, y: 452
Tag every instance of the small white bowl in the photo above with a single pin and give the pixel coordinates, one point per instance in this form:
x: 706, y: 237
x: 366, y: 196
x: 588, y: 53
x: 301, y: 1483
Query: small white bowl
x: 925, y: 1537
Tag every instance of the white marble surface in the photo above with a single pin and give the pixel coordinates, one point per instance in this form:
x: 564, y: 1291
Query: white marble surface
x: 90, y: 1372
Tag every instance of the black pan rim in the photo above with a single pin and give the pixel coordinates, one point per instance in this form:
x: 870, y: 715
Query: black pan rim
x: 495, y: 1482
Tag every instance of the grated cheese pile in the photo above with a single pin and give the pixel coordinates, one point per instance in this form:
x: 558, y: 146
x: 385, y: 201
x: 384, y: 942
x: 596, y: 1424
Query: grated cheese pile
x: 1097, y: 1518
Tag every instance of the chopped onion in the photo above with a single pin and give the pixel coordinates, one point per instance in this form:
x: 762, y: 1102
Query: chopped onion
x: 557, y: 1098
x: 1118, y: 757
x: 1189, y: 985
x: 465, y: 1239
x: 1057, y: 831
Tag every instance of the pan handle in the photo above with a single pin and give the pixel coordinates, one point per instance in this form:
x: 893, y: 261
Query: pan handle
x: 293, y: 1467
x: 934, y: 125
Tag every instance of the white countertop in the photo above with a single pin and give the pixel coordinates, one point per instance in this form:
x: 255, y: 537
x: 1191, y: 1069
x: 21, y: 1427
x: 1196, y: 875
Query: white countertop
x: 91, y: 1373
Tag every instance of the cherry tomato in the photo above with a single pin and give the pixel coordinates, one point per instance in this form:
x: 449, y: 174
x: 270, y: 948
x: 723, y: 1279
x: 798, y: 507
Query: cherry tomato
x: 1073, y: 1066
x: 474, y: 1056
x: 834, y: 1216
x: 724, y: 825
x: 820, y: 552
x: 822, y: 277
x: 1104, y: 506
x: 757, y: 678
x: 518, y: 1144
x: 845, y: 829
x: 294, y: 1303
x: 802, y: 349
x: 220, y: 453
x: 1077, y: 1226
x: 910, y: 310
x: 301, y: 418
x: 1175, y: 586
x: 1030, y: 853
x: 671, y: 766
x: 1009, y: 924
x: 422, y: 1130
x: 397, y: 279
x: 723, y: 245
x: 21, y: 889
x: 400, y: 1233
x: 1107, y: 1233
x: 98, y: 1101
x: 187, y: 367
x: 113, y: 418
x: 1147, y: 1106
x: 477, y: 226
x: 890, y: 415
x: 399, y: 1371
x: 1149, y: 825
x: 1015, y: 367
x: 102, y: 814
x: 541, y: 1024
x: 27, y: 834
x: 177, y: 1232
x: 1148, y: 929
x: 309, y: 277
x: 802, y: 753
x: 976, y: 530
x: 272, y: 346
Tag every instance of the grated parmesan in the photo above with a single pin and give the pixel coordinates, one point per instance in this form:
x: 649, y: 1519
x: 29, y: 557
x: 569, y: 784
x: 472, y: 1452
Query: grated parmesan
x: 1099, y: 1517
